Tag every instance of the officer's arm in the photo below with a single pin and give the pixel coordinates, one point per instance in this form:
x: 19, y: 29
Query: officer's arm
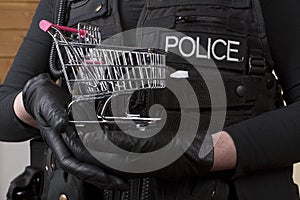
x: 21, y: 112
x: 31, y: 59
x: 271, y: 140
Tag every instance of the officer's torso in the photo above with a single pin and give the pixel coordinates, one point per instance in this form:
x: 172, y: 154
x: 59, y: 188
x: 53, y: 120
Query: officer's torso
x: 230, y: 34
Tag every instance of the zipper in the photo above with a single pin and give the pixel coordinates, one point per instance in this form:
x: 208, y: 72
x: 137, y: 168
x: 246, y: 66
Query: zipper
x: 125, y: 195
x: 195, y: 18
x: 146, y: 189
x: 213, y: 193
x: 140, y: 189
x: 107, y: 195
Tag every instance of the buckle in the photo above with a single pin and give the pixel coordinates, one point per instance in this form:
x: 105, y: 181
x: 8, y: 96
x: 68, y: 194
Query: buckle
x: 257, y: 66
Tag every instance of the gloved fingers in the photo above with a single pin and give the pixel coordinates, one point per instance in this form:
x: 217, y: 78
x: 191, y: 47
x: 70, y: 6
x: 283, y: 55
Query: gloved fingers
x: 189, y: 164
x: 87, y: 172
x: 99, y: 141
x: 93, y: 142
x: 46, y: 102
x: 113, y: 141
x: 55, y: 115
x: 140, y: 145
x: 94, y: 175
x: 76, y: 146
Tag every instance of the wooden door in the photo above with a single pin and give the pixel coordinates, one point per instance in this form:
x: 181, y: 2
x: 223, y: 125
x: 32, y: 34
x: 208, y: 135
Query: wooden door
x: 15, y: 18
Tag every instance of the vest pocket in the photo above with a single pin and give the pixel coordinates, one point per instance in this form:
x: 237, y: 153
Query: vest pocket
x: 87, y: 10
x: 95, y: 13
x: 204, y: 38
x: 226, y: 3
x: 219, y: 29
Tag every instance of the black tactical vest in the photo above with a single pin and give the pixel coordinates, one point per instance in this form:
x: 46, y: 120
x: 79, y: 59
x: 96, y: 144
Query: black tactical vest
x: 250, y: 85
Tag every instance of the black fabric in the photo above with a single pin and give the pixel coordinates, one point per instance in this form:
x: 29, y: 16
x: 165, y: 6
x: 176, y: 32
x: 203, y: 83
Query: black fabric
x: 37, y: 149
x: 74, y: 189
x: 130, y: 11
x: 275, y: 133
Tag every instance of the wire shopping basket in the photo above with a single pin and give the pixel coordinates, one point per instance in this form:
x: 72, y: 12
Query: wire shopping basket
x: 93, y: 71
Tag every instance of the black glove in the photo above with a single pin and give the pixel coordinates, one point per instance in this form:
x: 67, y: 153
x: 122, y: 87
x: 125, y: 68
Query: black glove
x: 197, y: 160
x: 193, y: 162
x: 46, y: 102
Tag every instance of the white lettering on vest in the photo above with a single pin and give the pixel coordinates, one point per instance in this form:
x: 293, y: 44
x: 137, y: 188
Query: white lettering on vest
x: 169, y: 45
x: 187, y: 55
x: 211, y: 49
x: 229, y: 50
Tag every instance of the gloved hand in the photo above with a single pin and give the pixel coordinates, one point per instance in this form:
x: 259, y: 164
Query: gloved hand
x: 197, y: 160
x: 46, y: 103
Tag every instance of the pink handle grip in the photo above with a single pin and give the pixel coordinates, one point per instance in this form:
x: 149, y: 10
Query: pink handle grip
x: 46, y: 25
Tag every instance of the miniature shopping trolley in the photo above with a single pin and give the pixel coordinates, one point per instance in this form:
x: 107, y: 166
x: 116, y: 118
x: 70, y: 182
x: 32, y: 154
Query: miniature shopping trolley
x: 95, y: 72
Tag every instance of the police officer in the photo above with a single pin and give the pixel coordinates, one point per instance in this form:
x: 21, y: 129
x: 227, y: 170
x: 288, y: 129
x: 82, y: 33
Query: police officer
x: 259, y: 148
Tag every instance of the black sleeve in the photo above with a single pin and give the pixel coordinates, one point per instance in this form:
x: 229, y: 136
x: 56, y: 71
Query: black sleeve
x: 272, y: 139
x: 32, y: 59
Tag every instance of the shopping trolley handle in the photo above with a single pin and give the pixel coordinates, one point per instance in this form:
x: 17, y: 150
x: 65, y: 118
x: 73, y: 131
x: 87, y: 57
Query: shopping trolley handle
x: 46, y: 25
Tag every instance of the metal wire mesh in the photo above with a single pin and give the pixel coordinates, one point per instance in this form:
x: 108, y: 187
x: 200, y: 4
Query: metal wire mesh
x: 97, y: 70
x: 92, y: 70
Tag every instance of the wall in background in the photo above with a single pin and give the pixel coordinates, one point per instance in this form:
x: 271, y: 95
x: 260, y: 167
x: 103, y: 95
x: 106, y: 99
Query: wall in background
x: 15, y: 17
x: 13, y: 159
